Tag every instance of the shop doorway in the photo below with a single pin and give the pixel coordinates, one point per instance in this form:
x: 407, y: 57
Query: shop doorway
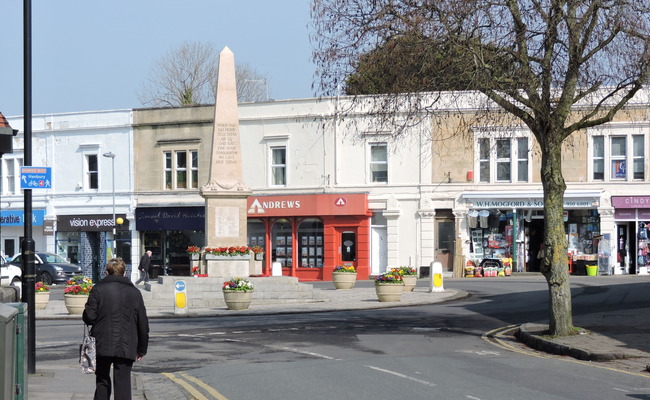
x: 347, y: 244
x: 444, y: 243
x: 10, y: 247
x: 90, y: 254
x: 534, y: 239
x: 625, y: 251
x: 379, y: 254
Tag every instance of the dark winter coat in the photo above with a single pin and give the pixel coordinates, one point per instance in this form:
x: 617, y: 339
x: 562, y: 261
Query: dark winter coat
x: 116, y: 311
x: 145, y: 263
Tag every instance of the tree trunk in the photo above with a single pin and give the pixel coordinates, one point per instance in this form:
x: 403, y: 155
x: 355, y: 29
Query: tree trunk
x: 554, y: 265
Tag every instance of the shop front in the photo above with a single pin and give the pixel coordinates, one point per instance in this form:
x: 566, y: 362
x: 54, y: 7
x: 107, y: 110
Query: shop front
x: 167, y: 232
x: 12, y: 223
x: 308, y: 235
x: 505, y: 231
x: 632, y: 216
x: 87, y: 240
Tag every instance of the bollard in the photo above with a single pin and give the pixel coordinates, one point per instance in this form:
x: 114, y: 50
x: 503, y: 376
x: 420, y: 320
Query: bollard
x: 180, y: 298
x: 436, y: 278
x: 276, y: 269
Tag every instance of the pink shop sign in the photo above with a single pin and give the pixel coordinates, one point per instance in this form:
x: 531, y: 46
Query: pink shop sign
x: 631, y: 201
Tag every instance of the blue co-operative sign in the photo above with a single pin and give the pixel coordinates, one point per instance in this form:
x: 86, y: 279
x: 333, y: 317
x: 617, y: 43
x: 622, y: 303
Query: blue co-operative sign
x: 35, y: 177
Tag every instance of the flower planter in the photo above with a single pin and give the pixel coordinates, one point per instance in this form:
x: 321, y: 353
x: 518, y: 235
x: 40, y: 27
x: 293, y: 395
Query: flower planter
x: 409, y: 282
x: 237, y: 299
x: 41, y: 299
x: 195, y: 256
x: 259, y: 256
x: 75, y: 303
x: 389, y: 291
x: 344, y: 280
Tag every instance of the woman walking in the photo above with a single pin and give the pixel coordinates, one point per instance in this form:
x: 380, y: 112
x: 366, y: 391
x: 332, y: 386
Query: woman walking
x: 116, y: 311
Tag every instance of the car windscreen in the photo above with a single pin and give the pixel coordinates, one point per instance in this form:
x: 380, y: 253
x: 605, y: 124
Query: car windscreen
x: 52, y: 258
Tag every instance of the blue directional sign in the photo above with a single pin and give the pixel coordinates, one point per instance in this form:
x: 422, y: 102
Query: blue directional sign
x: 35, y: 178
x: 180, y: 286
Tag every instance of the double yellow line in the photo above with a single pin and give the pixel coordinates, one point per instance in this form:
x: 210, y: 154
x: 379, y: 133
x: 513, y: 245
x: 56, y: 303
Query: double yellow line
x: 188, y: 382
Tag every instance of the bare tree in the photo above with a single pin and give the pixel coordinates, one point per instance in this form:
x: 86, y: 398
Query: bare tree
x: 187, y: 74
x: 574, y: 65
x: 252, y: 86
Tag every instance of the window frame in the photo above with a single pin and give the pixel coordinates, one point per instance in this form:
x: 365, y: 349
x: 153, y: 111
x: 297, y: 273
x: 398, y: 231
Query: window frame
x: 374, y: 163
x: 90, y: 173
x: 488, y: 171
x: 607, y: 134
x: 11, y: 183
x: 172, y: 169
x: 273, y: 166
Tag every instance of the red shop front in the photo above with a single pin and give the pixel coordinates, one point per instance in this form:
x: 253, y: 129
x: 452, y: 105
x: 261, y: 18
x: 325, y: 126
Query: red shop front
x: 310, y: 234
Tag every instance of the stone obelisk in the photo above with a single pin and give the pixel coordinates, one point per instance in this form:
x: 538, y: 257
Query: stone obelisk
x: 225, y: 193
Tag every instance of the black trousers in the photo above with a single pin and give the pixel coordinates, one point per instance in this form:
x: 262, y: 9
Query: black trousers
x: 121, y: 378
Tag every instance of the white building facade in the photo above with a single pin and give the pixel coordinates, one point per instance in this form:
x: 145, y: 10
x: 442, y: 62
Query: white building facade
x: 75, y: 217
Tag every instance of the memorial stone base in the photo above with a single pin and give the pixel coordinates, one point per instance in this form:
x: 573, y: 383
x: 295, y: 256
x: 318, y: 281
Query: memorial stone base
x: 227, y: 267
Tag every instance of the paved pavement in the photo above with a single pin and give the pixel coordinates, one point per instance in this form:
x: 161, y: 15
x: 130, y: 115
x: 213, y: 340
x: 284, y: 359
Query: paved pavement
x: 605, y: 337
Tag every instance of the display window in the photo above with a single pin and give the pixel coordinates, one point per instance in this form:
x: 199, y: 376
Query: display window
x: 518, y: 240
x: 256, y: 232
x: 281, y: 242
x: 310, y: 243
x: 169, y: 250
x: 67, y: 246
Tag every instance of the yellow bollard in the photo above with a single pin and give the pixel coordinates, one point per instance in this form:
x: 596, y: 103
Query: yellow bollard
x: 180, y: 298
x: 436, y: 277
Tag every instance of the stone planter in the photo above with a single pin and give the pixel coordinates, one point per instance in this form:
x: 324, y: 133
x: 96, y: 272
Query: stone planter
x: 237, y: 299
x: 259, y: 256
x: 344, y: 280
x: 41, y: 299
x: 75, y: 303
x: 389, y: 291
x: 409, y: 282
x: 195, y: 256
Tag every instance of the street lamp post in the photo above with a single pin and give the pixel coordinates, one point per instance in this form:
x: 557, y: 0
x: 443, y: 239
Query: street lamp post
x: 112, y: 157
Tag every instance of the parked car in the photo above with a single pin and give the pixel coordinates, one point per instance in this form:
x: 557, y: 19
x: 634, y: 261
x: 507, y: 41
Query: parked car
x: 50, y: 268
x: 9, y: 274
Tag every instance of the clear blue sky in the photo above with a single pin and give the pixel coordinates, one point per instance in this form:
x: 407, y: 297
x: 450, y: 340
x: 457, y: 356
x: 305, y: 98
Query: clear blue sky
x: 94, y: 55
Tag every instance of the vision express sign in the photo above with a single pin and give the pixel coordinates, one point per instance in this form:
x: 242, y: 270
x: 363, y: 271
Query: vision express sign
x: 90, y: 223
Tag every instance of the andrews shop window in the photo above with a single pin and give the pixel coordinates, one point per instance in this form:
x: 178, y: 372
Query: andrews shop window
x: 181, y: 169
